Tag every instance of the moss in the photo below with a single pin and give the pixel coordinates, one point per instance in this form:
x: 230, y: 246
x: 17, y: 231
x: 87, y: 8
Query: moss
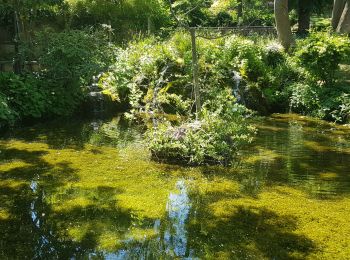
x: 262, y: 154
x: 4, y: 215
x: 287, y: 198
x: 320, y: 227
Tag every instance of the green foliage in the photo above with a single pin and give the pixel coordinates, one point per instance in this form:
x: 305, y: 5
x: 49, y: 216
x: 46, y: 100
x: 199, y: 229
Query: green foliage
x: 124, y: 17
x: 274, y: 54
x: 321, y: 24
x: 258, y: 13
x: 342, y: 113
x: 150, y: 76
x: 223, y: 12
x: 22, y: 96
x: 7, y: 115
x: 33, y: 13
x: 192, y: 12
x: 156, y: 76
x: 246, y: 56
x: 69, y: 61
x: 321, y: 53
x: 215, y: 138
x: 304, y: 98
x: 318, y: 90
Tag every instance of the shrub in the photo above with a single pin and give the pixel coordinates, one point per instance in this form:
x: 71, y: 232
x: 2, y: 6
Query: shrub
x: 70, y: 60
x: 7, y: 115
x: 24, y: 96
x: 342, y: 112
x: 274, y: 54
x: 321, y: 53
x: 156, y: 76
x: 215, y: 138
x: 246, y: 56
x: 151, y: 76
x: 304, y: 98
x: 127, y: 17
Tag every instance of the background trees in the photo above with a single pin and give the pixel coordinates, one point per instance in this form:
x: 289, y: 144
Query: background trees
x: 341, y: 16
x: 283, y: 24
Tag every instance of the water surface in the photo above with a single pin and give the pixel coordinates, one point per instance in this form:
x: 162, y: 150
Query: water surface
x: 87, y: 189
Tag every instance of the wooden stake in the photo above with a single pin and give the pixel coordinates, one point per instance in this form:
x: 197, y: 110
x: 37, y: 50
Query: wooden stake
x: 149, y: 25
x: 17, y: 60
x: 195, y: 73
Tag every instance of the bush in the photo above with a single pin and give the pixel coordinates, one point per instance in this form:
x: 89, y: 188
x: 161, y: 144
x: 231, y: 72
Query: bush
x: 215, y: 138
x: 151, y: 76
x: 246, y: 56
x: 274, y: 54
x: 156, y: 76
x: 7, y: 115
x: 304, y: 99
x: 321, y: 53
x: 70, y: 60
x: 126, y: 18
x: 22, y: 97
x: 341, y: 112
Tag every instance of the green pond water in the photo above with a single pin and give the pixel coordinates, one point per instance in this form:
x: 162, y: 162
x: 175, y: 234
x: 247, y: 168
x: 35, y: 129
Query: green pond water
x: 87, y: 189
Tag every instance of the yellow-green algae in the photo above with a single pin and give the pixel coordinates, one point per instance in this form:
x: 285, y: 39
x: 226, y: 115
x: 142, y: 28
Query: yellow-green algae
x: 276, y: 203
x: 282, y: 223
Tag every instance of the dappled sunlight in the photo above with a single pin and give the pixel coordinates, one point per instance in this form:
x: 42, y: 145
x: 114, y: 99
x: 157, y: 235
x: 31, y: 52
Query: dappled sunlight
x: 318, y: 147
x: 282, y: 198
x: 262, y: 154
x: 281, y: 223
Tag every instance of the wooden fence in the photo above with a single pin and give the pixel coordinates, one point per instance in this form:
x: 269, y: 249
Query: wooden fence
x: 8, y: 61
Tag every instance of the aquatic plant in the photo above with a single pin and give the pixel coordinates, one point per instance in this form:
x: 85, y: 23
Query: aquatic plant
x: 215, y: 138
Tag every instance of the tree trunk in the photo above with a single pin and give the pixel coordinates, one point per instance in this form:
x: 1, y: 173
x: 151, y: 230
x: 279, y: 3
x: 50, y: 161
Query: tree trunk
x: 304, y: 13
x: 284, y: 31
x: 338, y: 8
x: 344, y: 22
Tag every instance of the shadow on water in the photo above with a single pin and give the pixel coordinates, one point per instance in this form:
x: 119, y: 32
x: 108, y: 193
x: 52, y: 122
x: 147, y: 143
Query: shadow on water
x: 51, y: 209
x: 248, y: 233
x: 190, y: 230
x: 24, y: 233
x: 29, y: 227
x: 77, y: 133
x: 306, y: 155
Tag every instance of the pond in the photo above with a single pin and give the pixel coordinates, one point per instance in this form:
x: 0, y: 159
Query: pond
x: 87, y: 189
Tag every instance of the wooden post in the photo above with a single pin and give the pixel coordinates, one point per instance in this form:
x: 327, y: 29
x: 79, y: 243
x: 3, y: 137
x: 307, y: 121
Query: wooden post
x: 109, y: 31
x: 149, y: 25
x: 240, y: 9
x: 17, y: 59
x: 195, y: 73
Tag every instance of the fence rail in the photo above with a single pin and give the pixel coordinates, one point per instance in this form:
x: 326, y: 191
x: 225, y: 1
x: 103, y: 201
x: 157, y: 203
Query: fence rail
x: 239, y: 29
x: 9, y: 66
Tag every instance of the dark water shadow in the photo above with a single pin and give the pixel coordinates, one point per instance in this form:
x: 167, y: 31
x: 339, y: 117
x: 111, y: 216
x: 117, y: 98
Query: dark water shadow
x: 33, y: 229
x: 23, y: 231
x: 305, y: 155
x: 250, y: 233
x: 76, y: 133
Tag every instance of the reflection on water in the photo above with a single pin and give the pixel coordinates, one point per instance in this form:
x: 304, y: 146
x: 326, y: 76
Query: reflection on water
x: 88, y: 190
x: 178, y: 208
x: 34, y: 213
x: 170, y: 234
x: 306, y: 154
